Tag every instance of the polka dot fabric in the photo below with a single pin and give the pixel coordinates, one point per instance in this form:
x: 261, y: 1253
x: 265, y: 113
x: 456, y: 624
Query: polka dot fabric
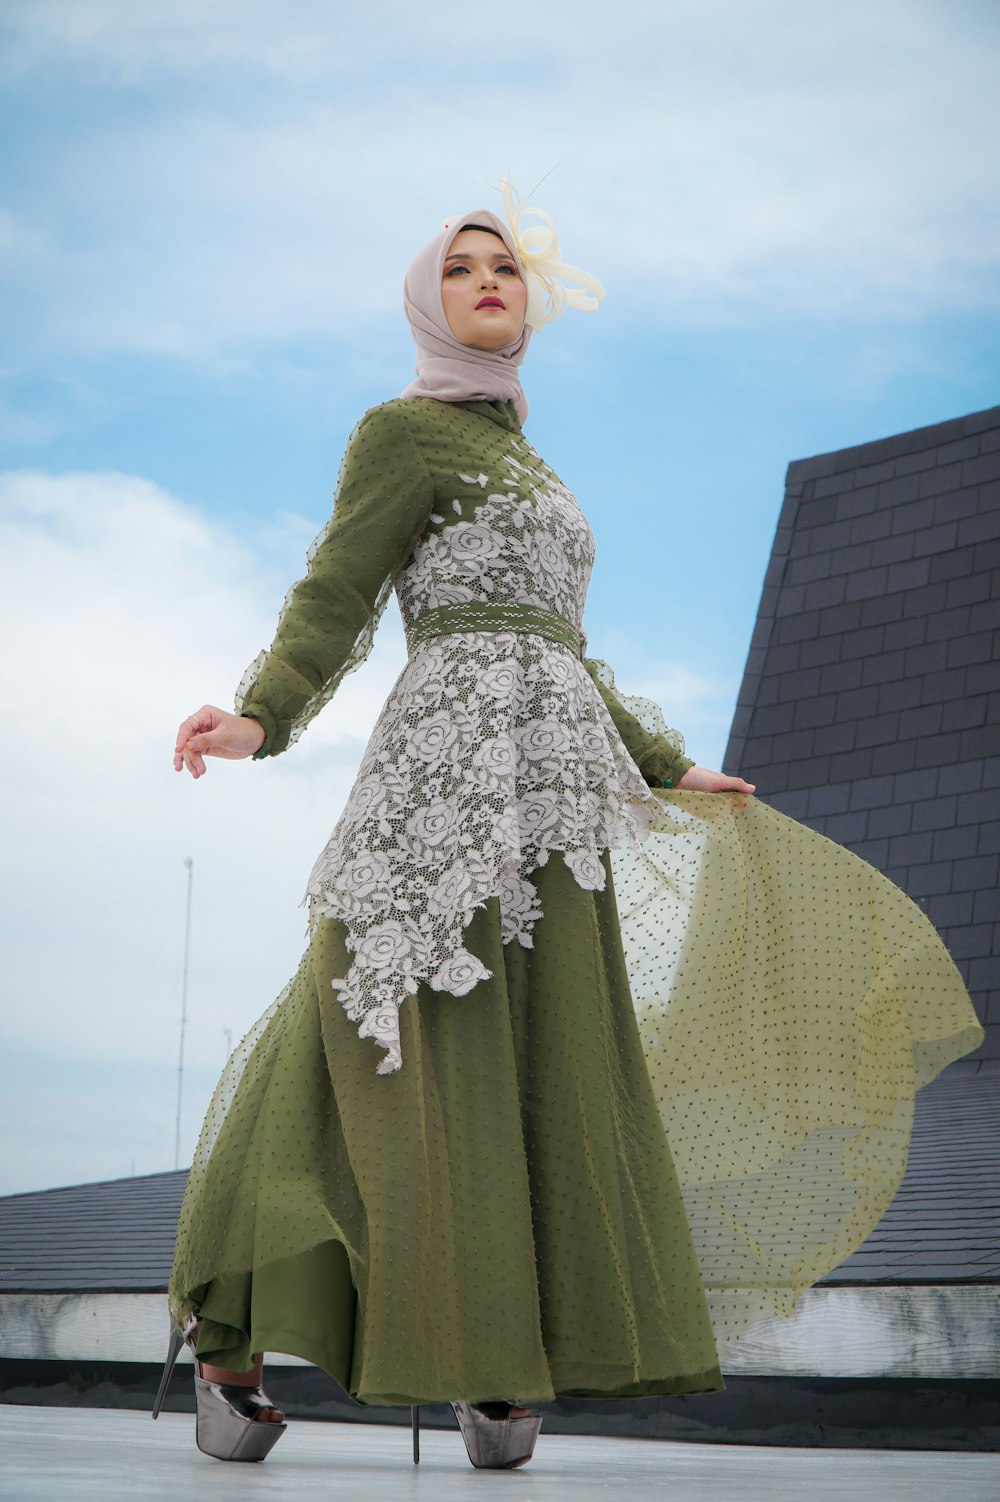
x: 500, y: 1217
x: 681, y: 1104
x: 791, y: 1000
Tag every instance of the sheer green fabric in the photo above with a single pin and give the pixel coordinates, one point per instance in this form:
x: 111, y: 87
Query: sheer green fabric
x: 500, y: 1217
x: 791, y: 1001
x: 652, y: 1126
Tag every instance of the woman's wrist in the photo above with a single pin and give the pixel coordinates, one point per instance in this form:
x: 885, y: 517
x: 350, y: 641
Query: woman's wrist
x: 260, y: 750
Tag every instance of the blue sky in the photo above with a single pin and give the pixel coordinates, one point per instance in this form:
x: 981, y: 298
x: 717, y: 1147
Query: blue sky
x: 206, y: 211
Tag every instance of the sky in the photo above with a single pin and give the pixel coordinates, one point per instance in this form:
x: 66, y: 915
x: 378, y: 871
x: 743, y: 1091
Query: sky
x: 206, y: 211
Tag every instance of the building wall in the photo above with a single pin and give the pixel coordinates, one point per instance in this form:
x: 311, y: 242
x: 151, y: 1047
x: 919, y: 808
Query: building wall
x: 870, y: 705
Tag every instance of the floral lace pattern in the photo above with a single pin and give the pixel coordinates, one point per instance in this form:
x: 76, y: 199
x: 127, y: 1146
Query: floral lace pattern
x: 493, y: 750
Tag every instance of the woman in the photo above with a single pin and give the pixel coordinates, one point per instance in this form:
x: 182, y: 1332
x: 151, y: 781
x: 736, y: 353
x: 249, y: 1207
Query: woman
x: 492, y: 1211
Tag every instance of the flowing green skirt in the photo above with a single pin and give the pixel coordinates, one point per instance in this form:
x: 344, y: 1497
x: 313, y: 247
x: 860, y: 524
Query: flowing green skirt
x: 501, y: 1218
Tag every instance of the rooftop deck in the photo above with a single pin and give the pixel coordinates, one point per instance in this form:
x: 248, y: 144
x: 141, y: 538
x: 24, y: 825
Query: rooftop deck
x: 100, y: 1455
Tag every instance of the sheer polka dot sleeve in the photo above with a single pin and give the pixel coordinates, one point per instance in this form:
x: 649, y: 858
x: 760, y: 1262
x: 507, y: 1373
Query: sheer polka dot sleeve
x: 384, y: 499
x: 657, y: 751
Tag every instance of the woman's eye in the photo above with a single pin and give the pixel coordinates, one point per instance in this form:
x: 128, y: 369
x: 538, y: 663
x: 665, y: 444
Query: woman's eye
x: 507, y: 266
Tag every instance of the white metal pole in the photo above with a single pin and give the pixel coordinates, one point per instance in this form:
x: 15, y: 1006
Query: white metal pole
x: 189, y: 863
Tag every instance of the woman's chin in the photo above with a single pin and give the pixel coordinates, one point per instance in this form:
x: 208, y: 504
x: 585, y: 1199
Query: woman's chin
x: 492, y: 339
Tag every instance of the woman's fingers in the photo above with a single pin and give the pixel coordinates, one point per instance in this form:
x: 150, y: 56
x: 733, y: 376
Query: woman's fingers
x: 215, y: 732
x: 193, y: 760
x: 703, y: 780
x: 205, y: 718
x: 194, y: 739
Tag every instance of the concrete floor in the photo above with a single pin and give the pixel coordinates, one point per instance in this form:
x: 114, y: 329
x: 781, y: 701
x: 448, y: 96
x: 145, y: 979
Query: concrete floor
x: 101, y: 1455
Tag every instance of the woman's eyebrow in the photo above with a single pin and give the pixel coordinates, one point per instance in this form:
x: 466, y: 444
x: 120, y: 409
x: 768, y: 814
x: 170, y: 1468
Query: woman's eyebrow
x: 498, y: 255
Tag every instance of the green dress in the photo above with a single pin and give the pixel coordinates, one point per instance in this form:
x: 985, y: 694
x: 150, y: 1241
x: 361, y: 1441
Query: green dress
x: 445, y: 1163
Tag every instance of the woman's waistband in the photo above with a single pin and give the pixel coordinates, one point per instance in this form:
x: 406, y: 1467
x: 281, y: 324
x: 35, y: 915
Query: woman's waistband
x: 481, y: 615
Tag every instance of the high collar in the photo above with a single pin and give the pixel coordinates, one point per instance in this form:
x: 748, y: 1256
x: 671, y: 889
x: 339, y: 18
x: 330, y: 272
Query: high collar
x: 504, y: 414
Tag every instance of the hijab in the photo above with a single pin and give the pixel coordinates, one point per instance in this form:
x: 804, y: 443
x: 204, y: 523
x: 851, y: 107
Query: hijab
x: 446, y: 368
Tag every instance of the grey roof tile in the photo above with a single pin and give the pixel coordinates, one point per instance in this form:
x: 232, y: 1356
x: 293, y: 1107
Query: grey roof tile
x: 879, y: 730
x: 939, y: 538
x: 851, y: 764
x: 923, y: 726
x: 824, y: 592
x: 963, y: 777
x: 964, y: 714
x: 893, y: 819
x: 977, y: 742
x: 859, y: 500
x: 898, y: 756
x: 899, y: 693
x: 870, y: 526
x: 939, y: 750
x: 878, y: 473
x: 952, y: 504
x: 909, y: 632
x: 942, y: 481
x: 977, y: 471
x: 894, y: 549
x: 951, y: 622
x: 962, y: 448
x: 923, y: 601
x: 989, y: 837
x: 880, y: 611
x: 909, y: 464
x: 818, y: 652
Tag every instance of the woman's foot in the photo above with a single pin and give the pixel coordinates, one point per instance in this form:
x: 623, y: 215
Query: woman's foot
x: 498, y: 1435
x: 252, y: 1379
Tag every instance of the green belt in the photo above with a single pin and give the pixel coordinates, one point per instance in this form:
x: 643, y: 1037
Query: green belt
x: 478, y: 615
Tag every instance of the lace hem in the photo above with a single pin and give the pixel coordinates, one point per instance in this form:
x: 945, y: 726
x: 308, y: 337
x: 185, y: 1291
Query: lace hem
x: 493, y: 751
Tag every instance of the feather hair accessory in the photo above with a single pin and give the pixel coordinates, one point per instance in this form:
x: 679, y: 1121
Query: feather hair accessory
x: 541, y: 262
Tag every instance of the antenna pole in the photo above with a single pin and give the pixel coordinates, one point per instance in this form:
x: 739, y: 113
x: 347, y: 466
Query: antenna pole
x: 189, y: 863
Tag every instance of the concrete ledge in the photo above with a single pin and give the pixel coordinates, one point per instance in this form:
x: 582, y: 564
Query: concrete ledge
x: 944, y: 1331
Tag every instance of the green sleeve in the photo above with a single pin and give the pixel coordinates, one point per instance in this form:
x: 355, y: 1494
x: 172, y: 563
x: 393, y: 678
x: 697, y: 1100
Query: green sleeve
x: 660, y: 763
x: 383, y: 502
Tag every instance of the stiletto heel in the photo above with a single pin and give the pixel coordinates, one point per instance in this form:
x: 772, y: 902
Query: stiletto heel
x: 226, y: 1422
x: 173, y: 1351
x: 494, y: 1439
x: 415, y: 1423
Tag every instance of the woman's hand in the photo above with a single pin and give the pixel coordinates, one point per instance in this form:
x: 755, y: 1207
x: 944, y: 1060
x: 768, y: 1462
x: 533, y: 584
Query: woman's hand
x: 701, y: 780
x: 214, y: 732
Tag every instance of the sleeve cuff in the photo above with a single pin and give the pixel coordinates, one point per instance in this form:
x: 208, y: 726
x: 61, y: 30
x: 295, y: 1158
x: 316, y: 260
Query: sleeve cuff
x: 266, y: 720
x: 663, y: 766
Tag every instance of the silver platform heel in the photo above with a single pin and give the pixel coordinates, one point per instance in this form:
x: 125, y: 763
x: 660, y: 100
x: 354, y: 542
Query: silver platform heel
x: 226, y: 1423
x: 493, y: 1438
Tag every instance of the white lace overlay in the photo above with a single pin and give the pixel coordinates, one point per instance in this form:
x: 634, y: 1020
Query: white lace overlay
x: 493, y: 749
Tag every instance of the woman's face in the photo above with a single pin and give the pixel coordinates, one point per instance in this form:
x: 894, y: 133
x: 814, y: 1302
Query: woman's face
x: 482, y: 291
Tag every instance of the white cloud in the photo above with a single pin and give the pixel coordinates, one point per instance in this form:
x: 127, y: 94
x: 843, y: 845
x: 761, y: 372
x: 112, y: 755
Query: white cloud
x: 722, y: 162
x: 129, y: 609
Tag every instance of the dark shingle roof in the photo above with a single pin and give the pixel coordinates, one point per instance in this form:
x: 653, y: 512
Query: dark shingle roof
x: 870, y: 705
x: 944, y: 1224
x: 115, y: 1235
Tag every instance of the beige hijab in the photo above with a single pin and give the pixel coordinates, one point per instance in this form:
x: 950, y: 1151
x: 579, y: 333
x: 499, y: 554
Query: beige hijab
x: 447, y: 369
